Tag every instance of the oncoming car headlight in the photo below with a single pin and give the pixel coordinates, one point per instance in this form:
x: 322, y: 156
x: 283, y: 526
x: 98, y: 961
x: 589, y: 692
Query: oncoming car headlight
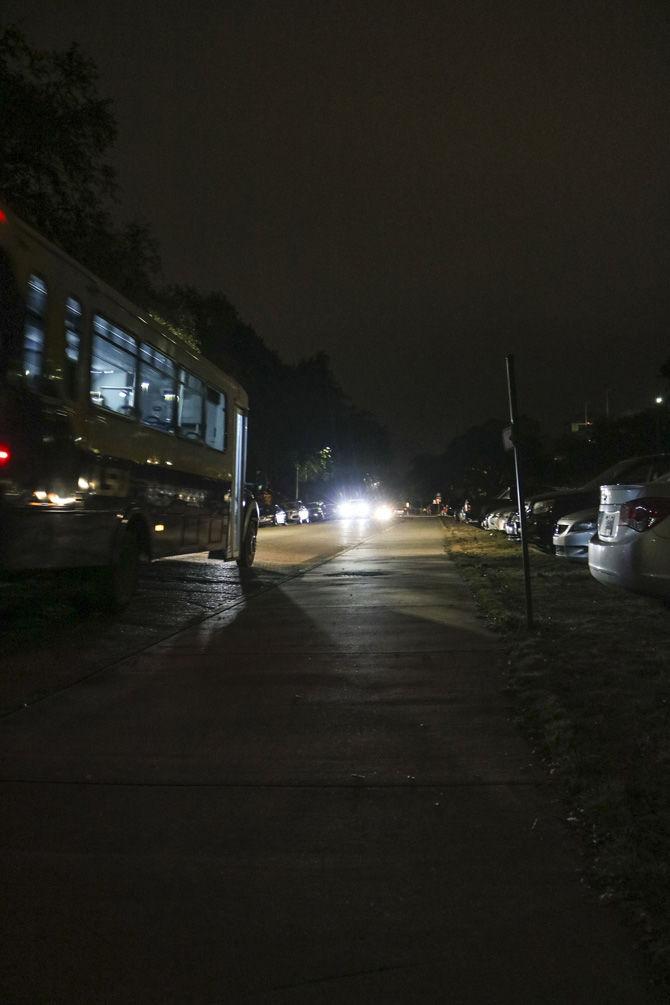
x: 383, y: 512
x: 354, y: 508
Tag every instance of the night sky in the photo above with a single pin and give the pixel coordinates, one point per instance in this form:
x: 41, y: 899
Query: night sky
x: 415, y: 188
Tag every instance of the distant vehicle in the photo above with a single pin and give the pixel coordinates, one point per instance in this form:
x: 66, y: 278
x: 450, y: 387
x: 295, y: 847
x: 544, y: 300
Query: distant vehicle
x: 544, y: 509
x: 273, y: 515
x: 497, y: 518
x: 354, y: 508
x: 573, y: 533
x: 513, y: 526
x: 465, y: 513
x: 297, y: 512
x: 117, y: 443
x: 383, y: 512
x: 631, y: 548
x: 317, y: 511
x: 483, y: 505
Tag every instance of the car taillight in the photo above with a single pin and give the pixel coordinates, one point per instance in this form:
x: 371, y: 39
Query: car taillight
x: 643, y: 514
x: 5, y: 455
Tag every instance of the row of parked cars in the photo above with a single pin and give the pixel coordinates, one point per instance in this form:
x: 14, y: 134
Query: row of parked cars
x: 619, y: 522
x: 279, y: 514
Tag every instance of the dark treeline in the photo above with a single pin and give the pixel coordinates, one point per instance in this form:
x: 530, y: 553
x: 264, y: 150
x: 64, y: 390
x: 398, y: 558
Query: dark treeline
x: 476, y: 464
x: 56, y: 134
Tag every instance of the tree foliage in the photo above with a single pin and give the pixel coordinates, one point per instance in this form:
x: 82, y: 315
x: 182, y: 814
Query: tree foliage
x: 300, y: 416
x: 56, y: 135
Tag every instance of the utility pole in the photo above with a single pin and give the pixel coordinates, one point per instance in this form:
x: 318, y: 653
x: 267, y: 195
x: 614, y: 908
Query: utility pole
x: 514, y: 437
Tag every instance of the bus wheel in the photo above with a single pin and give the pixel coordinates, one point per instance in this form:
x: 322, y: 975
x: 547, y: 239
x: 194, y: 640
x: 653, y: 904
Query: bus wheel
x: 248, y: 551
x: 125, y: 571
x: 110, y: 588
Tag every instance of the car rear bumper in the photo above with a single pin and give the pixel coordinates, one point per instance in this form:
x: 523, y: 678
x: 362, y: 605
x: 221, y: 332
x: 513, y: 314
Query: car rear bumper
x: 578, y: 553
x: 641, y: 565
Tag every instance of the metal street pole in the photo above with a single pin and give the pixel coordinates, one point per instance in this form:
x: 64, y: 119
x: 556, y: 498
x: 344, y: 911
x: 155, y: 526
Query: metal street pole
x: 514, y: 420
x: 297, y: 480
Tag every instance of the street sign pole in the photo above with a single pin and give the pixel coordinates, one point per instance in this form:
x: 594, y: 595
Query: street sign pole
x: 514, y: 420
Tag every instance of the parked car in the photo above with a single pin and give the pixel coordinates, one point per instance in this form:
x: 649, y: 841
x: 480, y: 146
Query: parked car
x: 273, y: 515
x: 513, y: 526
x: 297, y: 512
x: 483, y: 506
x: 497, y: 518
x: 573, y: 533
x: 317, y: 511
x: 544, y: 509
x: 632, y: 546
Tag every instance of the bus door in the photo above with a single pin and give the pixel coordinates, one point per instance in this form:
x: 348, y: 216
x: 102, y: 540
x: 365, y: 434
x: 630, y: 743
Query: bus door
x: 237, y: 489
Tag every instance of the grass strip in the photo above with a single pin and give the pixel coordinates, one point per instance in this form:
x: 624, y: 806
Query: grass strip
x: 591, y: 685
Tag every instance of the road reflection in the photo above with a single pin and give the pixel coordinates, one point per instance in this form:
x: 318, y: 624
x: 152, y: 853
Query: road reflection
x: 51, y: 637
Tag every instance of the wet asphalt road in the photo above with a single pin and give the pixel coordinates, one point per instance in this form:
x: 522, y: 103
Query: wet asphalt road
x: 51, y: 639
x: 315, y: 796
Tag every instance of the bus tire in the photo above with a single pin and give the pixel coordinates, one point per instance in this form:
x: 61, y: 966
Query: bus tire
x: 125, y: 570
x: 248, y: 549
x: 114, y: 585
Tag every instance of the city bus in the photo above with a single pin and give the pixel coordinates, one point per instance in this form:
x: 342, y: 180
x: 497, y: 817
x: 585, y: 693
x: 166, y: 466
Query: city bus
x: 118, y: 442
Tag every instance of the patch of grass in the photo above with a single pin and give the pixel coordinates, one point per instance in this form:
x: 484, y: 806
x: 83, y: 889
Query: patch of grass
x: 591, y: 685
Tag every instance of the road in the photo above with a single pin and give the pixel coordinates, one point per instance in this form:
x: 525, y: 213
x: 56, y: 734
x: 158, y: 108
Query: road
x: 316, y: 794
x: 50, y: 639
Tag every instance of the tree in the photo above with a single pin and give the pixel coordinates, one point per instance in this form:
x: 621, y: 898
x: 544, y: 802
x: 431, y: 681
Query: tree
x: 56, y: 133
x: 55, y: 137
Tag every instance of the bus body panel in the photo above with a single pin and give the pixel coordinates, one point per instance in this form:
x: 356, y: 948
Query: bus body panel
x: 78, y: 472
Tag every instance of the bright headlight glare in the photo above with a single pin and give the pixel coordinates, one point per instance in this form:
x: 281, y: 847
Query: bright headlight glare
x: 383, y: 512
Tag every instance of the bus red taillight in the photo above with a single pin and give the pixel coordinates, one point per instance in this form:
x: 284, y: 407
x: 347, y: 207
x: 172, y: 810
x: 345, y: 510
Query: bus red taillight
x: 5, y: 455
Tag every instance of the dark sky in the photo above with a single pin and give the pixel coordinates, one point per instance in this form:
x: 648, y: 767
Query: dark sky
x: 414, y: 187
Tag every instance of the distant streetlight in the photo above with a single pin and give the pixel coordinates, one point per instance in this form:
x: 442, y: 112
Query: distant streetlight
x: 660, y: 400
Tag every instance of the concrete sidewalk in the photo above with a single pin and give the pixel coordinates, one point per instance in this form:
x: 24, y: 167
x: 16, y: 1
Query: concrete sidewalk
x: 318, y: 797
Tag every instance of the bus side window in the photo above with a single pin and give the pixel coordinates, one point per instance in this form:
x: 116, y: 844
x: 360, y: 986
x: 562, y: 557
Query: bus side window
x: 215, y: 424
x: 33, y: 335
x: 158, y: 390
x: 191, y: 395
x: 113, y: 361
x: 72, y: 345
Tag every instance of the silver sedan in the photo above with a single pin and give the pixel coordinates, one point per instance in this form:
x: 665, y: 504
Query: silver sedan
x: 632, y: 546
x: 573, y: 533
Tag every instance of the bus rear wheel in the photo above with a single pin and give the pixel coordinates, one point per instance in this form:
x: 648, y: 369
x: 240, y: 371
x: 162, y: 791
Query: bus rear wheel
x: 111, y: 587
x: 125, y: 571
x: 248, y: 550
